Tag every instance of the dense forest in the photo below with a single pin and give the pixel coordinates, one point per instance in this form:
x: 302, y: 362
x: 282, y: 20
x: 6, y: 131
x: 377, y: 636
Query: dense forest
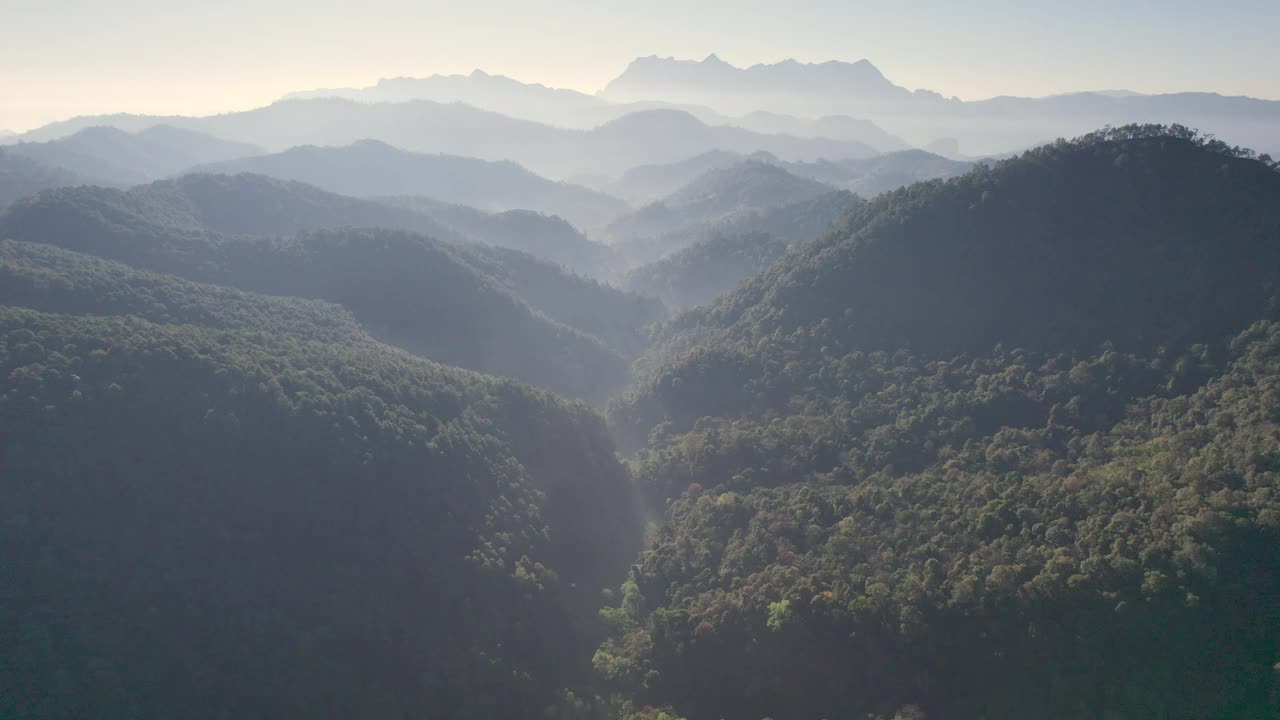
x: 1000, y: 446
x: 242, y: 506
x: 917, y: 438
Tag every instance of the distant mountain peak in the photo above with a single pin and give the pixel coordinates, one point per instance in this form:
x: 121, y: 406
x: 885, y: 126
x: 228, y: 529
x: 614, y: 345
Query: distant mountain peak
x: 664, y: 119
x: 375, y: 144
x: 692, y: 81
x: 101, y: 131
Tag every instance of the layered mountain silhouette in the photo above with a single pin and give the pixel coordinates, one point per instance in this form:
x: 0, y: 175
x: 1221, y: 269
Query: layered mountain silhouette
x: 371, y: 168
x: 707, y: 269
x: 748, y: 197
x: 982, y: 127
x: 837, y: 101
x: 796, y: 222
x: 646, y: 183
x: 549, y: 237
x: 868, y: 177
x: 865, y: 176
x: 489, y: 309
x: 779, y: 391
x: 554, y: 106
x: 717, y: 195
x: 660, y: 135
x: 573, y: 109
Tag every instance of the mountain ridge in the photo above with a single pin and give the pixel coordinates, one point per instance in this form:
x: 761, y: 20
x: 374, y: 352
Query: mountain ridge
x: 107, y: 155
x: 375, y: 168
x: 394, y: 281
x: 425, y: 126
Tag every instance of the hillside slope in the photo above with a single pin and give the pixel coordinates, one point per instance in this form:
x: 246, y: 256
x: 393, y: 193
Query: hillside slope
x: 999, y: 446
x: 220, y: 504
x: 398, y: 284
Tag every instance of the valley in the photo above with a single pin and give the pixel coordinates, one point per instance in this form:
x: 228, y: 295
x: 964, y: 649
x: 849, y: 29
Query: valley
x: 721, y: 393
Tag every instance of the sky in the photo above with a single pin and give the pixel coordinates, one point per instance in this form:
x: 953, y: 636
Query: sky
x: 61, y: 58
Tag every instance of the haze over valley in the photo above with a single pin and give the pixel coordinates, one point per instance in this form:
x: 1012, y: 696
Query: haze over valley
x: 776, y: 389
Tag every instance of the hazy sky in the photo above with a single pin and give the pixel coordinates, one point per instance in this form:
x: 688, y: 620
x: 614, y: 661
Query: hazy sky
x: 60, y: 58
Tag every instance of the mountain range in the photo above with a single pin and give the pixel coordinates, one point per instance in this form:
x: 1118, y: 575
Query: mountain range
x: 706, y: 396
x: 660, y: 135
x: 282, y: 238
x: 867, y: 177
x: 991, y: 126
x: 573, y: 109
x: 1000, y: 441
x: 848, y: 102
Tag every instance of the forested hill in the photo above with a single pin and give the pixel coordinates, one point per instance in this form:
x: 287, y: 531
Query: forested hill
x: 717, y: 195
x: 229, y: 505
x: 432, y: 298
x: 1137, y: 240
x: 797, y: 222
x: 251, y: 204
x: 620, y: 319
x: 248, y: 204
x: 703, y: 271
x: 866, y: 176
x: 207, y: 205
x: 1004, y: 445
x: 1000, y: 446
